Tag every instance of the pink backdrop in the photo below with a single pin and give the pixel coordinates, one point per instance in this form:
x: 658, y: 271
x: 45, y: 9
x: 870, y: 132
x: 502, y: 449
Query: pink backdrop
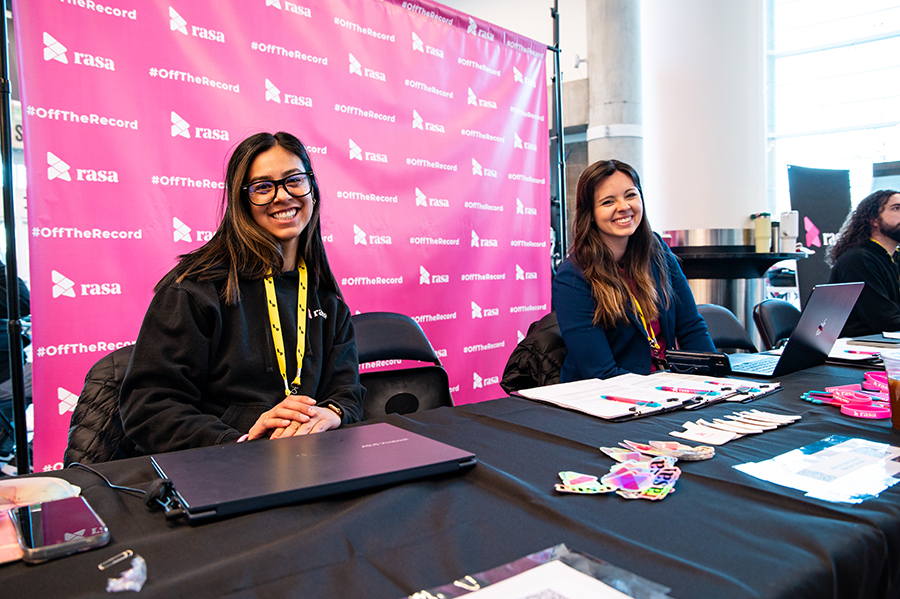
x: 428, y: 132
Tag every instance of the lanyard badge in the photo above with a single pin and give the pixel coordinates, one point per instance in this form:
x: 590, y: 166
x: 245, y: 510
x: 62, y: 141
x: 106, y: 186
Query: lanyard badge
x: 277, y: 337
x: 657, y: 356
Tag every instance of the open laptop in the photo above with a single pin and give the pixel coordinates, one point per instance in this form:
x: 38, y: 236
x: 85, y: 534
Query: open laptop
x: 820, y: 325
x: 223, y: 480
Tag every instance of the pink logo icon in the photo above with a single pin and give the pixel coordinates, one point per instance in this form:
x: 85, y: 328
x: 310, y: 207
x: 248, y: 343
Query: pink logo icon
x: 812, y: 233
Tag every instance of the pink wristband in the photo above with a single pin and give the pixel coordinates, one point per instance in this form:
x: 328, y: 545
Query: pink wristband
x: 876, y: 381
x: 863, y: 411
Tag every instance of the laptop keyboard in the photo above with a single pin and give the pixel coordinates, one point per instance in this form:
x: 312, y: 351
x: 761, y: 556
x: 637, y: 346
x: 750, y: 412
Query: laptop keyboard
x: 763, y: 365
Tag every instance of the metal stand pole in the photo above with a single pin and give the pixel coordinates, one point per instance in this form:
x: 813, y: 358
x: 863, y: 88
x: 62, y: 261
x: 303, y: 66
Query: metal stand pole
x: 16, y: 359
x: 560, y: 136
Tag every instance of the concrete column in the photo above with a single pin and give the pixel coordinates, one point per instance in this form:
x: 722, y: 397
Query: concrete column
x: 705, y: 156
x: 615, y: 125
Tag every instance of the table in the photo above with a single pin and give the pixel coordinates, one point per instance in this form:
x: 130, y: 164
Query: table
x: 721, y: 534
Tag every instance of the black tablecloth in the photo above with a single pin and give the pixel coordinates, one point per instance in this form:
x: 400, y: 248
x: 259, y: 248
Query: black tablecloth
x: 721, y: 534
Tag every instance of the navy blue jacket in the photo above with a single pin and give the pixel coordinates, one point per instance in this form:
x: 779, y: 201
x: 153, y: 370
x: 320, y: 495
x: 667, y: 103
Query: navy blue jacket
x: 595, y: 352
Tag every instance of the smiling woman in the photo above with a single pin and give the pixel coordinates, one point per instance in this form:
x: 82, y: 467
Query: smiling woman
x: 620, y: 296
x: 248, y: 336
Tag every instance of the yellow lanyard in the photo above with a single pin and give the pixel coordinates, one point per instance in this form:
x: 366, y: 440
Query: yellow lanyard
x: 651, y: 337
x: 884, y: 248
x: 275, y: 321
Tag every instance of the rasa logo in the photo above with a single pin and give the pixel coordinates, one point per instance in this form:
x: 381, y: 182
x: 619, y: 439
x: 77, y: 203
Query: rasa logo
x: 53, y: 50
x: 181, y: 128
x: 357, y: 69
x: 521, y: 275
x: 356, y: 153
x: 360, y: 238
x: 475, y: 101
x: 291, y: 7
x: 523, y: 209
x: 182, y: 232
x: 67, y: 400
x: 65, y: 287
x: 477, y: 242
x: 479, y: 382
x: 523, y: 145
x: 479, y: 312
x: 426, y: 278
x: 422, y: 200
x: 177, y: 23
x: 71, y: 536
x: 481, y: 171
x: 520, y: 78
x: 812, y: 235
x: 57, y: 168
x: 273, y: 94
x: 419, y: 46
x: 419, y: 123
x: 474, y: 30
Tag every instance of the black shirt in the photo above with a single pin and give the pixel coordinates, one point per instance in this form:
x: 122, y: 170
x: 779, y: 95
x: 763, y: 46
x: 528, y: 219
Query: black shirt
x: 878, y: 307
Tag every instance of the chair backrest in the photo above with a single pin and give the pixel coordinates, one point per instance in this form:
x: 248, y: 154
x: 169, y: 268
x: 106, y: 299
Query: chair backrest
x: 95, y: 431
x: 725, y: 329
x: 392, y: 336
x: 775, y: 319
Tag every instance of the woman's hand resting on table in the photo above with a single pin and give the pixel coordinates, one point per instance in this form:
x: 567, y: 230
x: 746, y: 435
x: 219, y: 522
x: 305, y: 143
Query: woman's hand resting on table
x: 295, y: 415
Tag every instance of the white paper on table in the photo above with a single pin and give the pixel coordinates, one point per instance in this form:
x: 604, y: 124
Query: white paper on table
x: 553, y: 580
x: 587, y: 396
x: 846, y: 470
x: 892, y: 335
x: 842, y: 350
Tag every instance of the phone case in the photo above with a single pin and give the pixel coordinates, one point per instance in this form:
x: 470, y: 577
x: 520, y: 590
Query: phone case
x: 68, y: 526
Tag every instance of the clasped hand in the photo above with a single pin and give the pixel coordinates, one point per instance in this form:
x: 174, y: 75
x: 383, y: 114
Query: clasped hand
x: 294, y: 415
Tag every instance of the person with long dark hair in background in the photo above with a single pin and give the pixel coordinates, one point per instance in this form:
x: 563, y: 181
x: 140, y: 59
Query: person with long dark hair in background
x: 620, y: 296
x: 248, y: 336
x: 866, y: 250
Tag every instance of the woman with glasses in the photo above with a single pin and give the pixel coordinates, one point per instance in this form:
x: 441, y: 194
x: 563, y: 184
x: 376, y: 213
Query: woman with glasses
x: 248, y: 336
x: 620, y: 297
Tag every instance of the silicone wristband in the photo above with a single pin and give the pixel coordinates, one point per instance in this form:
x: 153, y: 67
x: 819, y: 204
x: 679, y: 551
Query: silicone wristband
x: 860, y: 411
x: 876, y: 381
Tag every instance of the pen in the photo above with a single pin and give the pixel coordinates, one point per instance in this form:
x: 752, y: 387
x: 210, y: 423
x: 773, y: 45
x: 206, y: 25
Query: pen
x: 864, y: 353
x: 691, y: 391
x: 637, y: 402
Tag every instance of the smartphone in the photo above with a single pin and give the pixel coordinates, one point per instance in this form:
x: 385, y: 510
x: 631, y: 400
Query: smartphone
x: 57, y: 528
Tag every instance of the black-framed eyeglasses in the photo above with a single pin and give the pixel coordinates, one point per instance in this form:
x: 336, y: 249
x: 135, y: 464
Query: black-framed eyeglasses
x: 264, y: 192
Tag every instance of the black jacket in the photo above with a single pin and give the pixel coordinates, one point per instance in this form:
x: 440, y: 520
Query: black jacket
x: 202, y: 372
x: 878, y: 307
x: 537, y: 359
x: 95, y: 431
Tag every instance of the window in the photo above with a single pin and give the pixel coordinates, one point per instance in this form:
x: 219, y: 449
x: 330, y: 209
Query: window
x: 834, y: 89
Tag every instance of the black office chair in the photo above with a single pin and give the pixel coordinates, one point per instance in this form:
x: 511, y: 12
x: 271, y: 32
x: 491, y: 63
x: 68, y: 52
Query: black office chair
x: 775, y: 319
x: 727, y: 333
x: 95, y: 432
x: 391, y: 336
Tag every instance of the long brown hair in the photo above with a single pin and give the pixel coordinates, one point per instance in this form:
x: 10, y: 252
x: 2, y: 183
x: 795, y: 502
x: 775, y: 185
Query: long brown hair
x: 857, y: 229
x: 240, y: 248
x: 610, y: 281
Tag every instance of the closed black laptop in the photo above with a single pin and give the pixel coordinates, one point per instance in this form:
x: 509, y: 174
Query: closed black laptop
x: 241, y: 477
x: 820, y: 325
